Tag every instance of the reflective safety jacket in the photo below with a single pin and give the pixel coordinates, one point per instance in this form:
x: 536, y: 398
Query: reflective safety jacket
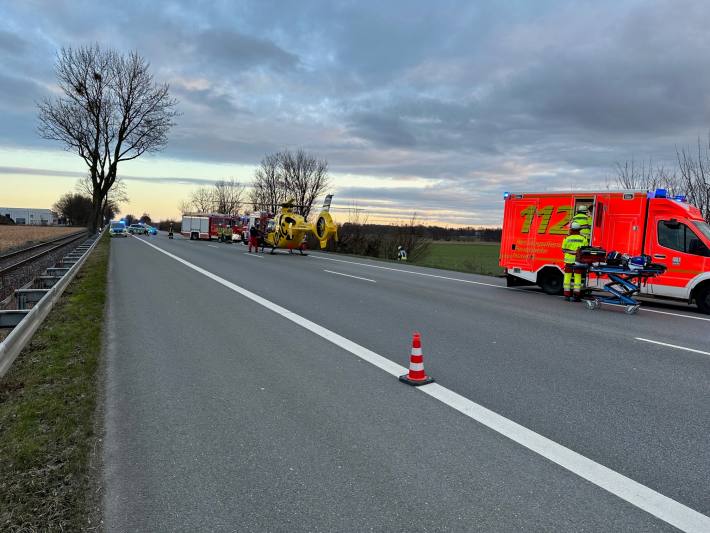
x: 570, y: 245
x: 585, y: 221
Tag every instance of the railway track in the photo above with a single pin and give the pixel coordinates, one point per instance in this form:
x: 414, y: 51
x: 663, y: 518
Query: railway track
x: 19, y: 267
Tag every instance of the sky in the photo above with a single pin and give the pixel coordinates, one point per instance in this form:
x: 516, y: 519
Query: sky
x: 418, y: 106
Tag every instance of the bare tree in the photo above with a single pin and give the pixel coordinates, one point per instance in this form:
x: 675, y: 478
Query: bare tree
x: 289, y: 175
x: 202, y: 200
x: 267, y: 189
x: 185, y: 206
x: 410, y: 236
x: 116, y: 196
x: 225, y: 196
x: 694, y: 169
x: 228, y: 196
x: 631, y: 175
x: 110, y: 110
x: 304, y: 178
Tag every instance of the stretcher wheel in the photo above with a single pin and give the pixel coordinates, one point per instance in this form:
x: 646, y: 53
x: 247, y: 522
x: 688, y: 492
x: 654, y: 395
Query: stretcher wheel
x: 632, y: 309
x: 592, y: 304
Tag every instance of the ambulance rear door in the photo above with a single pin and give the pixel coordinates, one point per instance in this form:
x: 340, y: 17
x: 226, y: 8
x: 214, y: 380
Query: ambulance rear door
x: 518, y: 242
x: 624, y: 222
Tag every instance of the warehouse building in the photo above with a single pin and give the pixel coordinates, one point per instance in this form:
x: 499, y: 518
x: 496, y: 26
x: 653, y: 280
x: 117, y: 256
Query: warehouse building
x: 29, y: 216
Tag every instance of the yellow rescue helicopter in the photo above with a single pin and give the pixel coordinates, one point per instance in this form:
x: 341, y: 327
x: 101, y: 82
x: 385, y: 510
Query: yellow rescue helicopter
x: 288, y: 230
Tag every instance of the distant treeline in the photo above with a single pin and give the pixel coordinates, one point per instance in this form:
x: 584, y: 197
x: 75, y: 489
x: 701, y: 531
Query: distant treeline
x: 435, y: 233
x: 380, y: 240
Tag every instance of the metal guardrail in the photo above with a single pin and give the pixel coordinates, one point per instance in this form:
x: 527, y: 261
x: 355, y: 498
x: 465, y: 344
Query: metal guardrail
x: 21, y: 334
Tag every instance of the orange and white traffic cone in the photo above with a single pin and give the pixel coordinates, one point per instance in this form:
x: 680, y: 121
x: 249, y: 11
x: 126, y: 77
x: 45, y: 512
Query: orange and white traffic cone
x: 416, y: 375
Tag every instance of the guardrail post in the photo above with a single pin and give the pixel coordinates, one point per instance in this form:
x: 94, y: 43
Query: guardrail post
x: 10, y: 318
x: 24, y: 297
x: 46, y: 282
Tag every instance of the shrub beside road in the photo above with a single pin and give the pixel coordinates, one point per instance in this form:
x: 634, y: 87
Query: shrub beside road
x: 48, y: 404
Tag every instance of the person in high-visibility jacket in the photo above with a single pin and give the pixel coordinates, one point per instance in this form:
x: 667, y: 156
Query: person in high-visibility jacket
x: 572, y: 281
x: 583, y: 217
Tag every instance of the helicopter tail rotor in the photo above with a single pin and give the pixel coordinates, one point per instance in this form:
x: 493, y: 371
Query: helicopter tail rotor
x: 326, y: 228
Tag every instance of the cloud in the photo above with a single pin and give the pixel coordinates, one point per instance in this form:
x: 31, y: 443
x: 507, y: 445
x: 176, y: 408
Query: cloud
x: 11, y: 43
x: 476, y: 98
x: 238, y: 51
x: 26, y: 171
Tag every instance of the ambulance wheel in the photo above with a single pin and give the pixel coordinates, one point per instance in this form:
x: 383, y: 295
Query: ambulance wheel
x: 702, y: 299
x: 551, y: 282
x: 632, y: 309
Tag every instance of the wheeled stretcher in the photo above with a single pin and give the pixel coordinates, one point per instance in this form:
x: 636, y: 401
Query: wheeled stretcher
x: 626, y: 277
x: 624, y: 284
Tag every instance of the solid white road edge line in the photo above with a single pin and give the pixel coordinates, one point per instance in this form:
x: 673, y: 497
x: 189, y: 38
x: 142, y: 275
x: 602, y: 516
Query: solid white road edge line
x: 654, y: 503
x: 212, y: 246
x: 482, y: 283
x: 348, y: 275
x: 253, y: 255
x: 672, y: 346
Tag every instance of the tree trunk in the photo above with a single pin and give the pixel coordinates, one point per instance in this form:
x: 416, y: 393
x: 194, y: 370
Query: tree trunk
x: 96, y: 212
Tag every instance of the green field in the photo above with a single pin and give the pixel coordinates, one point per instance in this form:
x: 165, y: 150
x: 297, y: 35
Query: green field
x: 478, y: 258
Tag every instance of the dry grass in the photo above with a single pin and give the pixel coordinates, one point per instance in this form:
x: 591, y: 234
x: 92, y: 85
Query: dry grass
x: 13, y: 237
x: 48, y: 401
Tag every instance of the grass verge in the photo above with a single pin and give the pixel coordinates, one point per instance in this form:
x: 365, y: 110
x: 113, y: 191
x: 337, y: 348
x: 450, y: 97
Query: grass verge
x: 471, y: 257
x: 476, y: 258
x: 47, y: 412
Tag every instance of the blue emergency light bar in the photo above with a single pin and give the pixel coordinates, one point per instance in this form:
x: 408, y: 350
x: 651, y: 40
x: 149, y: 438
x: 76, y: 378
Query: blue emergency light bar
x: 660, y: 193
x: 505, y: 195
x: 680, y: 198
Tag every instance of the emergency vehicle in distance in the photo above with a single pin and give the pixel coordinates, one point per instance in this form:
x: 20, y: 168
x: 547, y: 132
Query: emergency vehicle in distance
x: 264, y: 218
x: 633, y: 222
x: 287, y: 229
x: 207, y: 225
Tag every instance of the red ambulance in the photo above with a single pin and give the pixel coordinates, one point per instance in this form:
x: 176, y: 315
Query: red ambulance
x: 667, y: 228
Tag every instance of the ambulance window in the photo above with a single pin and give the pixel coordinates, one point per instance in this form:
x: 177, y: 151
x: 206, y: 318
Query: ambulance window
x: 677, y: 236
x: 704, y: 228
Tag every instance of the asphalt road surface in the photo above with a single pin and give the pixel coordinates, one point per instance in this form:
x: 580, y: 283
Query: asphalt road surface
x: 240, y: 397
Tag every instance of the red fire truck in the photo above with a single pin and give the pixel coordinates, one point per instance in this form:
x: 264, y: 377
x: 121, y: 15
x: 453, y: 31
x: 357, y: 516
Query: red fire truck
x: 206, y: 225
x: 667, y: 228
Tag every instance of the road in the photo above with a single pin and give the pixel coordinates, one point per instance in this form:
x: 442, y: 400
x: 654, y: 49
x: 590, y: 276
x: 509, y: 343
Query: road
x: 239, y: 398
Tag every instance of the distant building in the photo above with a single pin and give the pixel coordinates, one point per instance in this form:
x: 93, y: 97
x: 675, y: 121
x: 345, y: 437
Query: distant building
x: 33, y: 217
